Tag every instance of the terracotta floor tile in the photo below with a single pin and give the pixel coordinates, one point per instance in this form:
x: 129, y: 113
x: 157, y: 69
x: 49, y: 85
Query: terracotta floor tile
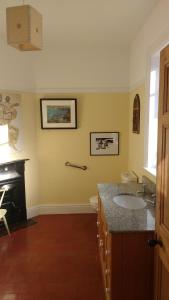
x: 55, y: 259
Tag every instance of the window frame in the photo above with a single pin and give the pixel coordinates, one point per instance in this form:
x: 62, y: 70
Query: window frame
x: 154, y: 66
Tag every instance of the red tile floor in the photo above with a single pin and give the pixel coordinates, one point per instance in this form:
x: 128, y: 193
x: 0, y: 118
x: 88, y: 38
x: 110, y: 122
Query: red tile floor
x: 55, y: 259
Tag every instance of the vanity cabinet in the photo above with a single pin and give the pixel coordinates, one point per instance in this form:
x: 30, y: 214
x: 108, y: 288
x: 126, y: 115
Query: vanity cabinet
x: 126, y: 261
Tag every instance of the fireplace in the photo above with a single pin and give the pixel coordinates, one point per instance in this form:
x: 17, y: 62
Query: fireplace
x: 13, y: 178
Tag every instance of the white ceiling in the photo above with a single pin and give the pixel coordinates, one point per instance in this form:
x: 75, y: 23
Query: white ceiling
x: 79, y: 23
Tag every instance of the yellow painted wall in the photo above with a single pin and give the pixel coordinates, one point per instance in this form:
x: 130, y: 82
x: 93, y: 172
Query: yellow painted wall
x: 137, y: 142
x: 96, y: 112
x: 30, y: 148
x: 48, y: 150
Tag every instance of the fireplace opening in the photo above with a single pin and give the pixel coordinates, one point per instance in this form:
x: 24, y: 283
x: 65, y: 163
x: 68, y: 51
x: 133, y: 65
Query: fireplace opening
x: 12, y: 177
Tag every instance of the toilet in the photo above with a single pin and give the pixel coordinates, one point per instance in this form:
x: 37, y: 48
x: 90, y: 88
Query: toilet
x: 94, y: 202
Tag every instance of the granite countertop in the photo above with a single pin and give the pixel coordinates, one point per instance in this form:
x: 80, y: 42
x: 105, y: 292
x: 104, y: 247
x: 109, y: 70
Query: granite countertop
x: 120, y: 219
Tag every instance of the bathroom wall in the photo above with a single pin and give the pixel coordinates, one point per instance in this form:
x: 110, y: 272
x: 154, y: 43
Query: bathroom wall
x: 81, y: 69
x: 99, y: 70
x: 153, y: 36
x: 16, y: 69
x: 136, y: 141
x: 29, y: 148
x: 96, y: 112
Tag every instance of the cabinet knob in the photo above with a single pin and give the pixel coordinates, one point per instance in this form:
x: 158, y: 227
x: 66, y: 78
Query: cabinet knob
x: 153, y: 243
x: 107, y: 271
x: 101, y: 243
x: 98, y: 236
x: 98, y: 223
x: 107, y: 290
x: 107, y: 252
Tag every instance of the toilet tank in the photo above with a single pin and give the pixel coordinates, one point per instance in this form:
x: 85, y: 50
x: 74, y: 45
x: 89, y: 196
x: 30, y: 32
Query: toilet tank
x: 129, y: 176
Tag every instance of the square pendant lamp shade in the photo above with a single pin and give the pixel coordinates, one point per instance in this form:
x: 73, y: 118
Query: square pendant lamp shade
x: 24, y: 28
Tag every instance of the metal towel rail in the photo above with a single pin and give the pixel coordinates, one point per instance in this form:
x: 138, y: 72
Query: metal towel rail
x: 68, y: 164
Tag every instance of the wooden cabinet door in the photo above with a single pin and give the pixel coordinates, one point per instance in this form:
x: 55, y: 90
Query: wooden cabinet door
x: 162, y: 210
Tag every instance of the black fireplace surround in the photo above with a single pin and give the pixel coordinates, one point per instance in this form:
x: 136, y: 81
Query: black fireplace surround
x: 13, y: 178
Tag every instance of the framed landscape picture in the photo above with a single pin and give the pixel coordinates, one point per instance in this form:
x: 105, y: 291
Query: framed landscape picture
x: 58, y: 113
x: 104, y: 143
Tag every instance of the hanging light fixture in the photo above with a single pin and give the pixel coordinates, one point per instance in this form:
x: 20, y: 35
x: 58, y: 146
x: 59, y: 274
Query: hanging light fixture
x: 24, y: 28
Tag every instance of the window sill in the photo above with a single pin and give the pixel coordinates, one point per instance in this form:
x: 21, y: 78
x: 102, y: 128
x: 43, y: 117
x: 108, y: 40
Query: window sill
x: 151, y: 171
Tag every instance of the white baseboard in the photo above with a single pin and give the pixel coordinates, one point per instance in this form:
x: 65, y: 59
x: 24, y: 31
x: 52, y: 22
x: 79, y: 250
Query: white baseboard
x: 48, y: 209
x: 33, y: 211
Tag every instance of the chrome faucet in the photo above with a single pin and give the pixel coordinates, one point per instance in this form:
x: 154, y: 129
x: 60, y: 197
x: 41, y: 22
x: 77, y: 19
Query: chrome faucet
x: 152, y: 199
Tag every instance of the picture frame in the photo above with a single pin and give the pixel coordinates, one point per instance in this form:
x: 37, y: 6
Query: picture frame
x: 58, y: 113
x: 104, y: 143
x: 136, y: 114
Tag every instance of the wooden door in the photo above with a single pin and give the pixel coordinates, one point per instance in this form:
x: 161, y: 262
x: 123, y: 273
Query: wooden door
x: 162, y: 211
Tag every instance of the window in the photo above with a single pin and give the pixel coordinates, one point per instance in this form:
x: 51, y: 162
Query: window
x: 3, y: 134
x: 153, y: 116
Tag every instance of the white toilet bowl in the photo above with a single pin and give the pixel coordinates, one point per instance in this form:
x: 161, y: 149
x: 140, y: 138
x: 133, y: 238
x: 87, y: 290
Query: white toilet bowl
x: 94, y: 201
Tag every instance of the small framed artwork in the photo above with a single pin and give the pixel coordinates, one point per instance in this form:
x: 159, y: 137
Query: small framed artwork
x: 58, y: 113
x: 104, y: 143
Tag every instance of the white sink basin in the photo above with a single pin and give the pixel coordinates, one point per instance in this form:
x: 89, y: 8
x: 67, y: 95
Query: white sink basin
x: 129, y: 201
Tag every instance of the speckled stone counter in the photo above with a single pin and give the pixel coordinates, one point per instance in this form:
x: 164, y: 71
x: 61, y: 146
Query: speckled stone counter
x: 120, y: 219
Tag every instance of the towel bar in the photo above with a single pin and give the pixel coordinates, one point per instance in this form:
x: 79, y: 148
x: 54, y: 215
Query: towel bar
x: 68, y: 164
